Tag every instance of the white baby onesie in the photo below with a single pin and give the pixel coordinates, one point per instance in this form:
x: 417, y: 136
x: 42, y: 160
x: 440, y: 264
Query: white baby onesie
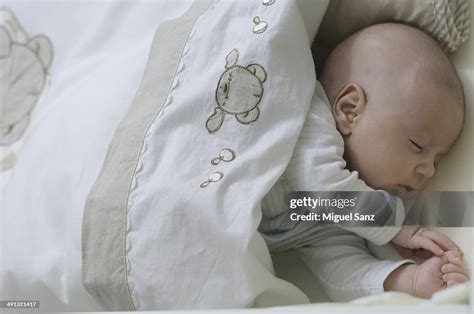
x: 338, y: 256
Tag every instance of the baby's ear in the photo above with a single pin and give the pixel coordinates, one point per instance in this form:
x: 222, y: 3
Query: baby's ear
x: 347, y: 107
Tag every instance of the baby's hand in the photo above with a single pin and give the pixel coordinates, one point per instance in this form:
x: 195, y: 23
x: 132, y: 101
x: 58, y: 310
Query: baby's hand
x: 437, y: 273
x: 416, y: 237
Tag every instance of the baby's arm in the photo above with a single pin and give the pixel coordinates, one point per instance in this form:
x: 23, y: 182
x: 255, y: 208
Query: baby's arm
x: 345, y: 268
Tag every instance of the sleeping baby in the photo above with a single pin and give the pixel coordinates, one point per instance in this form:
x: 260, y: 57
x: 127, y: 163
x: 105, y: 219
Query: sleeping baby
x: 391, y: 107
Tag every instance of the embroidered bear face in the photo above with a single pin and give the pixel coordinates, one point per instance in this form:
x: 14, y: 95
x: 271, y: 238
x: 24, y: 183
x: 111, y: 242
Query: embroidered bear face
x: 239, y: 92
x: 23, y: 69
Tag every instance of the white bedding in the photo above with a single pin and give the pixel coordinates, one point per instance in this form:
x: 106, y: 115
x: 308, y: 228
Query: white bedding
x: 191, y: 238
x: 41, y: 212
x: 92, y: 81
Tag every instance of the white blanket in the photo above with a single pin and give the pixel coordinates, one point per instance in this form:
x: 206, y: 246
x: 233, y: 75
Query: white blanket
x: 212, y: 128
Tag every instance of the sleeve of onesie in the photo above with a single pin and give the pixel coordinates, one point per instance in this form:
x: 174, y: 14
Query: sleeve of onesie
x: 317, y: 164
x: 344, y: 266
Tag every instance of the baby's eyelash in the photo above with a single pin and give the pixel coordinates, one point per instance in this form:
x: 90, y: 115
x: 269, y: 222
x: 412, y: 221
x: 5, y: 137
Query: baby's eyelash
x: 417, y: 145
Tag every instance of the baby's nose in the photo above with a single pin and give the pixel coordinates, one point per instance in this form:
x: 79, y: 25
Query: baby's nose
x: 426, y: 169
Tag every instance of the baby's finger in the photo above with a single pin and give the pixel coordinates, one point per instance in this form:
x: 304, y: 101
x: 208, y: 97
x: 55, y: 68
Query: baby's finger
x: 441, y: 239
x: 452, y: 268
x: 455, y: 276
x: 453, y: 257
x: 427, y: 244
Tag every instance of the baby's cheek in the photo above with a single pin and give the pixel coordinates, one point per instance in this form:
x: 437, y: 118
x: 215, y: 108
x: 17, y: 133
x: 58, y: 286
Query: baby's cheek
x: 386, y: 170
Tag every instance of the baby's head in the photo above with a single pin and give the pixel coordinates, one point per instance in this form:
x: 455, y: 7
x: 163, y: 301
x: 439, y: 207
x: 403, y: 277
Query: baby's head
x: 398, y: 103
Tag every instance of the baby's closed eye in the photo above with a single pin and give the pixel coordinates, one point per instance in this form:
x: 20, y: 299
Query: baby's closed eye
x: 415, y: 146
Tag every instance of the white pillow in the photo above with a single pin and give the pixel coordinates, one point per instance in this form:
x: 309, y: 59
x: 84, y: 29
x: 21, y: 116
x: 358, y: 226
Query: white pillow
x: 448, y: 21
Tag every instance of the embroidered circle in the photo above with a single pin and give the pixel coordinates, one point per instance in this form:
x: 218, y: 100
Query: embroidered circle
x: 215, y: 177
x: 225, y: 155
